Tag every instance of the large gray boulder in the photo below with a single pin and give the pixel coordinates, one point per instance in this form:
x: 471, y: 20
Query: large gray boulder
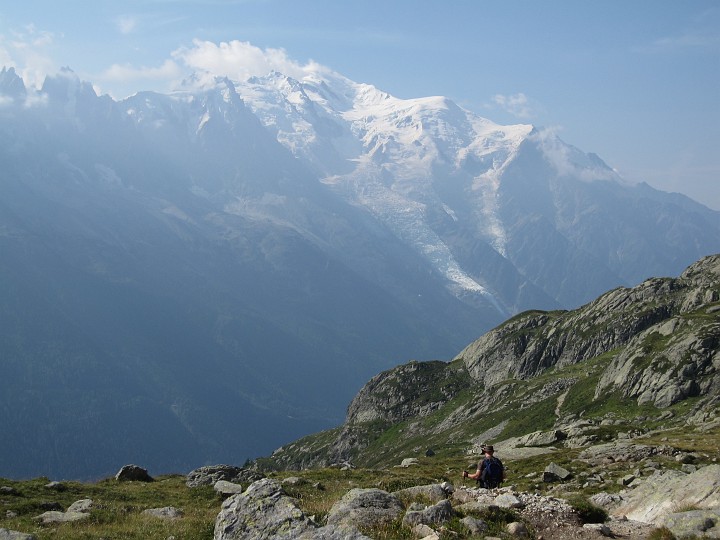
x: 265, y: 512
x: 262, y: 512
x: 432, y: 492
x: 431, y: 515
x: 659, y: 495
x: 366, y: 508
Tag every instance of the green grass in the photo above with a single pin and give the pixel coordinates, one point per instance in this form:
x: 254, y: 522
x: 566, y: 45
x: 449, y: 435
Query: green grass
x: 117, y: 509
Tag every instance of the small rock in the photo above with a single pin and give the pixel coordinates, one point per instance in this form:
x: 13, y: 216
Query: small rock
x: 435, y: 514
x: 518, y: 529
x: 133, y: 473
x: 56, y: 486
x: 407, y: 462
x: 10, y: 515
x: 508, y: 500
x: 6, y: 490
x: 7, y: 534
x: 556, y: 472
x: 423, y: 531
x: 599, y: 527
x: 294, y: 481
x: 626, y: 480
x: 476, y: 526
x: 167, y: 512
x: 83, y: 505
x: 429, y: 452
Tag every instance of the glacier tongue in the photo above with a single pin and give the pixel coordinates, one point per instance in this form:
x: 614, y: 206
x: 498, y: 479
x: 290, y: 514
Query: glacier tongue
x: 382, y: 153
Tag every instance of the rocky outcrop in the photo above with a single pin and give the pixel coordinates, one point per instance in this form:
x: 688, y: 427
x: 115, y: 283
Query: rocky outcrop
x: 661, y: 494
x: 133, y: 473
x: 77, y: 511
x: 694, y: 524
x: 265, y: 512
x: 532, y: 342
x: 211, y: 474
x: 365, y: 508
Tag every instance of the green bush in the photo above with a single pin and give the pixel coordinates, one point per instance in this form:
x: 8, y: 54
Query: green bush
x: 587, y: 511
x: 661, y: 533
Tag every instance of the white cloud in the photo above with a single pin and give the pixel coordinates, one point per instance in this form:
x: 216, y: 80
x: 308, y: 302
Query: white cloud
x: 516, y: 104
x: 125, y: 73
x: 28, y: 51
x: 239, y: 60
x: 126, y: 24
x: 127, y: 79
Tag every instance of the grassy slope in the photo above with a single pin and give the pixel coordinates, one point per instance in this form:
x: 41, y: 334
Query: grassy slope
x: 117, y: 506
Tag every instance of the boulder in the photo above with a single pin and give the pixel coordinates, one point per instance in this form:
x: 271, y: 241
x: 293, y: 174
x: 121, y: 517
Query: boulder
x: 7, y: 534
x: 167, y: 512
x: 224, y: 488
x: 366, y: 508
x: 542, y: 438
x: 432, y: 492
x: 7, y: 490
x: 659, y: 494
x: 408, y: 462
x: 606, y: 500
x: 599, y: 527
x: 209, y: 475
x: 294, y: 481
x: 435, y: 514
x: 508, y: 500
x: 265, y: 512
x: 554, y: 472
x: 477, y: 527
x: 133, y: 473
x: 83, y: 505
x: 696, y: 523
x: 54, y: 516
x: 517, y: 529
x: 56, y: 486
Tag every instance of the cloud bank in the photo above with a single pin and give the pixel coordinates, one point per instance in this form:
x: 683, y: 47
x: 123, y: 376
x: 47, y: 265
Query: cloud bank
x: 240, y: 60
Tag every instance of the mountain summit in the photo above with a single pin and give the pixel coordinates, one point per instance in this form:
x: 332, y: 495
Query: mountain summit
x: 202, y: 276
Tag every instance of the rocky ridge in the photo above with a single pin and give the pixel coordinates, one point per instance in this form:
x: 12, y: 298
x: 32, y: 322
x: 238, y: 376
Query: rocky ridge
x: 651, y: 348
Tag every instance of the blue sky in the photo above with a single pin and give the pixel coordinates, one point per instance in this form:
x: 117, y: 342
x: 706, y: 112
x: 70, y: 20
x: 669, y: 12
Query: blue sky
x: 635, y: 81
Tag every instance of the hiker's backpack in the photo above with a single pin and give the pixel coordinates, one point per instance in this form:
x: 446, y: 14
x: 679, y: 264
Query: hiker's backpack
x: 492, y: 473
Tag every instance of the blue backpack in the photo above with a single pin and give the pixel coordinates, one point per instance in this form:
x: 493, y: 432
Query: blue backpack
x: 492, y: 473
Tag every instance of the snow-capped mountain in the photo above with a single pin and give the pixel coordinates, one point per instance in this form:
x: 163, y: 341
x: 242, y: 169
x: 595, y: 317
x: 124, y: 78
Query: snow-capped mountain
x: 202, y: 276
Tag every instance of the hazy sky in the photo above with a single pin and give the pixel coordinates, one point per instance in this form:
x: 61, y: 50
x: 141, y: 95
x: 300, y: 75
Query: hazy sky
x: 636, y: 82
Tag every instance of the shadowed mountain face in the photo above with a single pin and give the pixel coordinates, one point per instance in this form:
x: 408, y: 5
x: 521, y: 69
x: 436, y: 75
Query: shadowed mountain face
x: 182, y: 283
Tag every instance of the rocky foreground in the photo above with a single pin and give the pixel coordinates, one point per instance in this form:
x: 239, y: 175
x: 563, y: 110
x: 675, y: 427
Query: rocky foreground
x: 264, y: 510
x: 683, y: 502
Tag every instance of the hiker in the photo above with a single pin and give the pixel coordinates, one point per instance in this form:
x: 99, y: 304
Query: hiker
x: 490, y: 471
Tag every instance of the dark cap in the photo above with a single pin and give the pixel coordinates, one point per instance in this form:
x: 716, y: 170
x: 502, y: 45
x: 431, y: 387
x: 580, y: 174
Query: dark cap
x: 487, y: 448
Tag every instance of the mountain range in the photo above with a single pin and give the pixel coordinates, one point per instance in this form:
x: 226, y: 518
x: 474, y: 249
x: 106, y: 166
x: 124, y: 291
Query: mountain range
x: 202, y: 276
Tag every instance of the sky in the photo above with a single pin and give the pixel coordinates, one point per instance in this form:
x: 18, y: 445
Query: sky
x: 635, y: 81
